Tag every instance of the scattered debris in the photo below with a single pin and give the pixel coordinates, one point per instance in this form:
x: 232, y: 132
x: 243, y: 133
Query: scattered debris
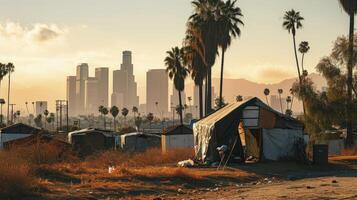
x: 186, y: 163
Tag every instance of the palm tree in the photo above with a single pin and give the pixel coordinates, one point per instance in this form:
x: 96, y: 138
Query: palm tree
x: 350, y: 7
x: 239, y: 98
x: 195, y: 60
x: 46, y: 114
x: 229, y: 22
x: 280, y: 92
x: 3, y: 73
x: 124, y: 112
x: 114, y: 111
x: 52, y: 116
x: 135, y: 111
x: 303, y: 49
x: 266, y: 93
x: 177, y: 72
x: 10, y: 68
x: 150, y: 117
x: 205, y: 18
x: 105, y: 111
x: 292, y: 22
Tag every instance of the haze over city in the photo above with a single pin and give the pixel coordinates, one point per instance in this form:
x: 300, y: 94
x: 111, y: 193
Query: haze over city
x: 46, y: 50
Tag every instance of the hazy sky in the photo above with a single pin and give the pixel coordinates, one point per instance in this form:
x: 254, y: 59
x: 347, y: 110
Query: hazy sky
x: 46, y: 39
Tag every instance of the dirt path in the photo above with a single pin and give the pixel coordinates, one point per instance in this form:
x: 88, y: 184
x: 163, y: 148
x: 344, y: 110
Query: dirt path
x: 315, y: 188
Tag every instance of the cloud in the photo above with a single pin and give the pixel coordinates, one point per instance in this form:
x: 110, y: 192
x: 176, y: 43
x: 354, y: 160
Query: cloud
x: 37, y: 33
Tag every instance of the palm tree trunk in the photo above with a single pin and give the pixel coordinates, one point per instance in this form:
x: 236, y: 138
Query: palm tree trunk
x: 200, y: 96
x: 221, y: 81
x: 349, y: 139
x: 299, y: 73
x: 302, y: 63
x: 266, y: 98
x: 281, y: 104
x: 209, y: 91
x: 180, y: 103
x: 114, y: 125
x: 8, y: 98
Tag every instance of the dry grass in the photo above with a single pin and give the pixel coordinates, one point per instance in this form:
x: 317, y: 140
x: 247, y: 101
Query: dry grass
x: 349, y: 152
x: 15, y: 177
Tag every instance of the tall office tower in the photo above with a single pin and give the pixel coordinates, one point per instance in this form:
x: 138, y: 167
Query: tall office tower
x: 81, y: 77
x: 91, y: 95
x: 174, y: 98
x: 71, y: 95
x: 40, y: 107
x: 102, y: 76
x: 157, y: 92
x: 124, y: 84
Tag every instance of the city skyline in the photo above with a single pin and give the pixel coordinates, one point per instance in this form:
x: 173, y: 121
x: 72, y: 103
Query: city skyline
x: 49, y: 48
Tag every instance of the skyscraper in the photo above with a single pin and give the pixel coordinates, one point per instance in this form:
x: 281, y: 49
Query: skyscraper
x: 102, y: 76
x: 71, y: 95
x: 124, y: 85
x: 81, y: 77
x: 157, y: 92
x: 91, y: 95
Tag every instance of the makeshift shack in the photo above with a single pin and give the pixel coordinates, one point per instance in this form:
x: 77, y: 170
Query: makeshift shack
x: 247, y: 129
x: 16, y: 131
x: 139, y: 142
x: 177, y: 137
x: 88, y: 141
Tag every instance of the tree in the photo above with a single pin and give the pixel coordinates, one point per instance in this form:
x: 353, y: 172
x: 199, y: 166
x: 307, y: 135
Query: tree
x: 177, y: 72
x: 205, y: 19
x: 303, y: 49
x: 239, y: 98
x: 350, y: 7
x: 219, y: 103
x: 195, y: 60
x: 10, y: 68
x: 52, y: 116
x: 114, y: 111
x: 38, y: 121
x: 293, y: 22
x: 229, y: 22
x: 138, y: 121
x: 280, y: 92
x: 124, y: 112
x: 266, y: 93
x: 46, y: 114
x: 3, y: 72
x: 135, y: 111
x: 150, y: 118
x: 105, y: 111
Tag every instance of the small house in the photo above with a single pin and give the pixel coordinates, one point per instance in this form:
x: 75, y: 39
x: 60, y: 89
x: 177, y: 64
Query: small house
x: 139, y: 142
x: 249, y: 128
x: 88, y: 141
x: 177, y: 137
x: 16, y: 131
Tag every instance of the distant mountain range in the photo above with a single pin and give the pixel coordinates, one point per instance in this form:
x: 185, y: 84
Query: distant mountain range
x: 246, y: 88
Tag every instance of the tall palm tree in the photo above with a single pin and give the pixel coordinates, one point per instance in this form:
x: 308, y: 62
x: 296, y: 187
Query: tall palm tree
x: 177, y: 72
x: 280, y: 92
x: 303, y: 49
x: 229, y: 22
x: 3, y: 72
x: 195, y: 60
x: 10, y: 68
x: 350, y: 7
x: 105, y: 111
x: 114, y: 111
x: 135, y: 111
x: 266, y: 93
x: 293, y: 22
x: 124, y: 112
x: 205, y: 18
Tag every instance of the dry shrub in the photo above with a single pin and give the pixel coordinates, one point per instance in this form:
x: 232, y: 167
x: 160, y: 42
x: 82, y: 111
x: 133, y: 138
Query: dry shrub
x: 349, y: 152
x: 155, y: 157
x: 16, y: 179
x: 151, y: 157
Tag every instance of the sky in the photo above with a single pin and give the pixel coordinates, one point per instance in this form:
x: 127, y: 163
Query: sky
x: 46, y: 39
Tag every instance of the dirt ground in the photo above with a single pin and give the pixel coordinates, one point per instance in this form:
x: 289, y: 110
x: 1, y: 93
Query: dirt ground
x: 276, y: 180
